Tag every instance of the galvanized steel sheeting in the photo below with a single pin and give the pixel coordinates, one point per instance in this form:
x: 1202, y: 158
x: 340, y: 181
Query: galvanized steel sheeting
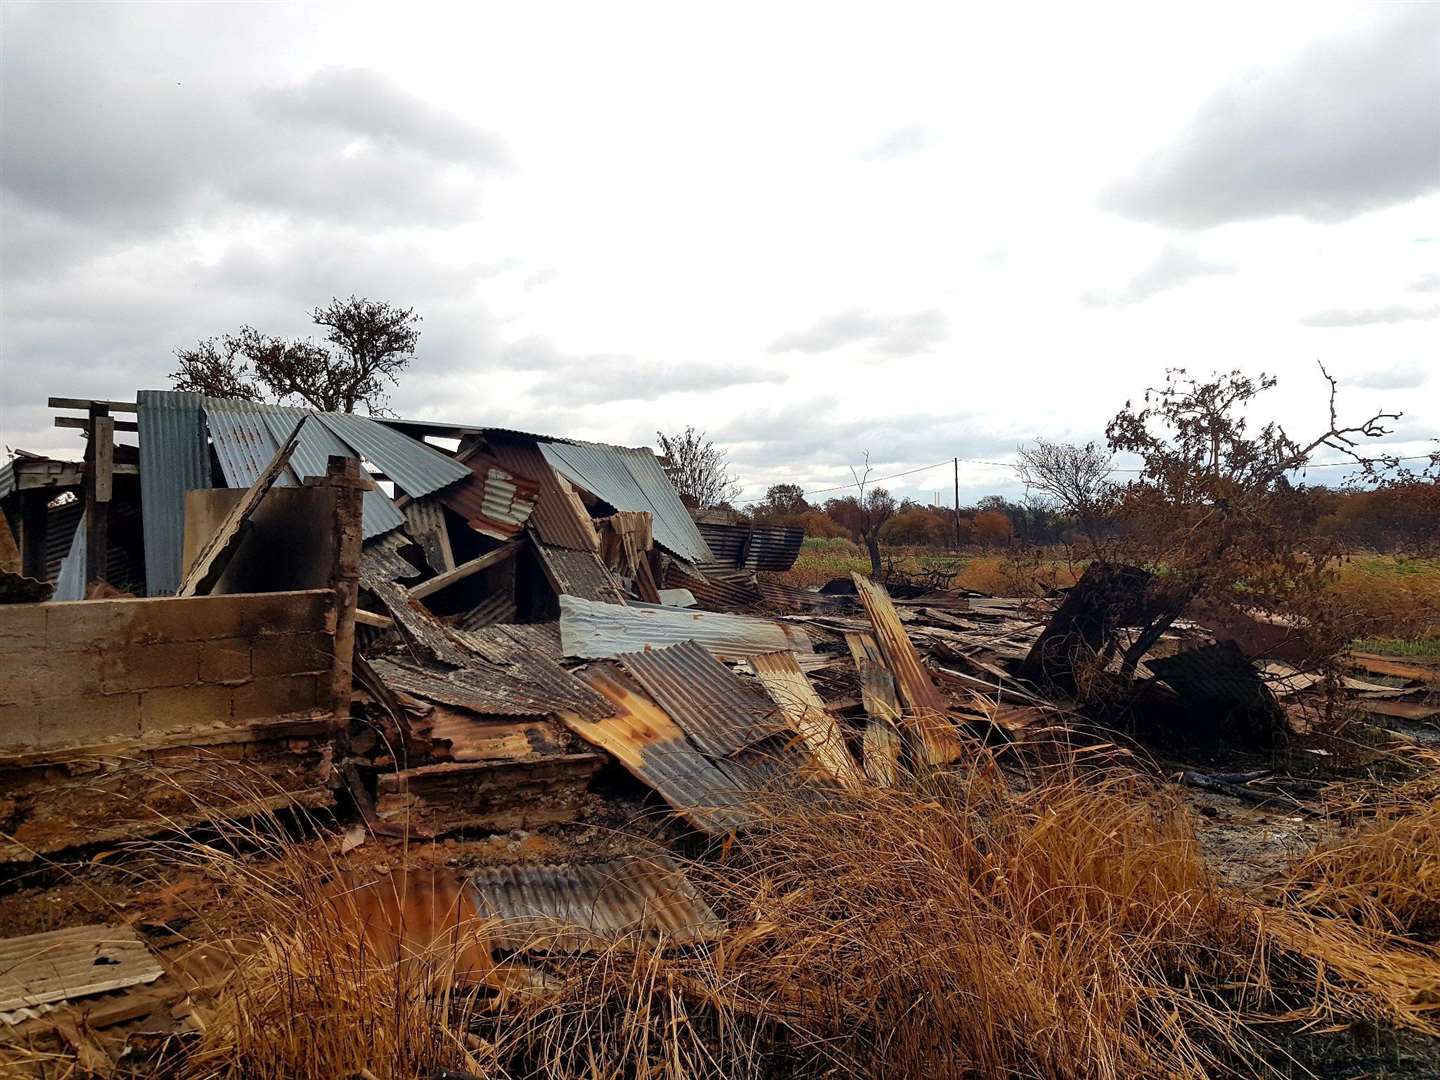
x: 595, y: 630
x: 720, y: 711
x: 577, y: 906
x: 416, y: 467
x: 631, y: 479
x: 70, y: 585
x: 174, y: 459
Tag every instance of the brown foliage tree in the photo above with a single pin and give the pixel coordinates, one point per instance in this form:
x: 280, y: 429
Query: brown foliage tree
x: 992, y: 528
x: 368, y: 344
x: 920, y: 526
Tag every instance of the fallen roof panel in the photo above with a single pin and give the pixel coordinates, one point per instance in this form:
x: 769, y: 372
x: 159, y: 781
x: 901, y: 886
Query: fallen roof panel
x: 806, y: 713
x: 578, y: 573
x: 594, y: 630
x: 62, y: 964
x: 559, y: 517
x: 417, y: 468
x: 493, y: 500
x: 631, y: 479
x: 720, y: 711
x: 575, y: 907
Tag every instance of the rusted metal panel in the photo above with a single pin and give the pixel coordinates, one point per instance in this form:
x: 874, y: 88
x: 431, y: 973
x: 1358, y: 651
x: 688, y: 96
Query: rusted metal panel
x: 493, y: 795
x: 578, y: 573
x: 881, y: 748
x: 806, y: 714
x: 752, y: 547
x: 61, y: 965
x: 593, y: 630
x: 382, y: 568
x: 655, y: 750
x: 501, y: 643
x: 579, y: 907
x: 715, y: 593
x: 559, y: 517
x: 494, y: 501
x: 927, y: 705
x: 425, y: 522
x: 525, y: 685
x: 720, y: 711
x: 495, y: 609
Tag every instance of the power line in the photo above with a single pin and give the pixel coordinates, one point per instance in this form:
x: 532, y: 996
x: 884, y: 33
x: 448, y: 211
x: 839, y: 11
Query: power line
x: 1014, y: 465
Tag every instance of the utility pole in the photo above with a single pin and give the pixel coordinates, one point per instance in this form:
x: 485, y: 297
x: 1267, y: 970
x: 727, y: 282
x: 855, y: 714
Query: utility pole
x: 957, y: 504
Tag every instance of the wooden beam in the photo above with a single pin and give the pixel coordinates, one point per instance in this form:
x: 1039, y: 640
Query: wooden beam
x: 216, y: 553
x: 464, y: 570
x: 97, y: 510
x: 83, y: 423
x: 103, y: 436
x: 86, y: 404
x: 369, y: 618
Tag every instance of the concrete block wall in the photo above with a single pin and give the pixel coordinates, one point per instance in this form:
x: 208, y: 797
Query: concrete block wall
x: 72, y: 674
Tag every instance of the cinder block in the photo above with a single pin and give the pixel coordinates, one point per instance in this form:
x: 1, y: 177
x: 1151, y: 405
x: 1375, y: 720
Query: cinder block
x: 82, y: 720
x: 41, y: 674
x: 238, y: 615
x: 19, y: 727
x: 87, y: 622
x: 183, y: 707
x: 22, y: 626
x: 275, y: 696
x: 144, y: 667
x: 292, y: 654
x: 224, y: 660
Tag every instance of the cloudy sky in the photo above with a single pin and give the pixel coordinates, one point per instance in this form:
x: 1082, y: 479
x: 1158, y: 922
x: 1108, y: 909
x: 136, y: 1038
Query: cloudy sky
x: 813, y: 230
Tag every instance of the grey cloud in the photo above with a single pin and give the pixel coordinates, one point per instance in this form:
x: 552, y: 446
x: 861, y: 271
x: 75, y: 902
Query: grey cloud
x: 1406, y: 377
x: 899, y: 143
x: 1428, y: 283
x: 1173, y: 267
x: 596, y: 380
x: 1393, y: 313
x: 887, y: 335
x: 1348, y: 125
x: 366, y: 104
x: 808, y: 433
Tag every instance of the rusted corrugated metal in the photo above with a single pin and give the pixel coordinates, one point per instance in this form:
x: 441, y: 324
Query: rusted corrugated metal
x: 501, y: 643
x: 382, y: 568
x: 578, y: 573
x: 425, y: 522
x: 806, y: 714
x: 498, y: 608
x: 579, y: 907
x: 60, y: 965
x: 655, y: 750
x: 494, y: 501
x: 594, y: 630
x: 531, y: 687
x: 720, y: 711
x: 752, y: 547
x: 559, y: 517
x: 927, y: 706
x: 716, y: 593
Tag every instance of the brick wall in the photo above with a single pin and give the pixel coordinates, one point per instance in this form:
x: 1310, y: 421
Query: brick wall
x: 72, y: 674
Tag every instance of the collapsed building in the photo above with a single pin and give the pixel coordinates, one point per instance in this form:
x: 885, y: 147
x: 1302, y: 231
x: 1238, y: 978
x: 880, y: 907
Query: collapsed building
x: 437, y: 629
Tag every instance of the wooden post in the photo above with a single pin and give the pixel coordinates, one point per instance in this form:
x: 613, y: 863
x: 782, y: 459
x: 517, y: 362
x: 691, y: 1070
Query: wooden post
x: 344, y: 477
x: 957, y: 504
x: 99, y: 462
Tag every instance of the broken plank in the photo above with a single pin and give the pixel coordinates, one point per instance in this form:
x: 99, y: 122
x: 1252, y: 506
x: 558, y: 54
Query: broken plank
x: 86, y: 403
x: 369, y: 618
x: 83, y: 423
x: 465, y: 570
x: 216, y: 554
x: 881, y: 746
x: 927, y: 705
x: 1380, y: 665
x: 805, y: 712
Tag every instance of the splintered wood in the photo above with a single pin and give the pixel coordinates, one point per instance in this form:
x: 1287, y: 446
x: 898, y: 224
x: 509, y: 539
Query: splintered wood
x: 806, y: 714
x: 881, y: 747
x: 927, y: 705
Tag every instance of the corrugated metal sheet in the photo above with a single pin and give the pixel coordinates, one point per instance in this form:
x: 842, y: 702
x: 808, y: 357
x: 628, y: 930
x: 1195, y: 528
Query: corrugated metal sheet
x: 715, y: 593
x: 503, y: 642
x: 578, y: 573
x: 631, y: 479
x: 489, y: 690
x: 720, y: 711
x: 655, y: 750
x: 927, y: 705
x: 60, y: 965
x: 559, y: 517
x: 806, y: 714
x: 498, y: 608
x: 382, y: 567
x: 174, y: 459
x: 752, y: 547
x: 60, y: 525
x: 7, y: 478
x: 416, y: 467
x: 247, y: 434
x: 70, y: 585
x: 541, y: 680
x: 577, y: 907
x: 594, y: 630
x: 494, y: 501
x: 425, y: 522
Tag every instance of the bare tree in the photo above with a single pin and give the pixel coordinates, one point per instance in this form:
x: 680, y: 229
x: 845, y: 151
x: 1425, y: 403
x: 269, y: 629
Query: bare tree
x: 368, y: 344
x: 1076, y: 477
x: 875, y: 508
x: 698, y: 468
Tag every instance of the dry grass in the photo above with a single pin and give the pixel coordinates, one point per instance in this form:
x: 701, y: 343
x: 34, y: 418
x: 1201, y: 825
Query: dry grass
x: 954, y: 927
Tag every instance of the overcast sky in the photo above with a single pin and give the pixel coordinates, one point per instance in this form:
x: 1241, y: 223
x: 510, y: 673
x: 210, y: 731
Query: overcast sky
x: 812, y: 230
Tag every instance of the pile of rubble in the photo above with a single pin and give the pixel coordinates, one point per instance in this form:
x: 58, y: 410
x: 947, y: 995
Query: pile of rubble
x: 441, y: 630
